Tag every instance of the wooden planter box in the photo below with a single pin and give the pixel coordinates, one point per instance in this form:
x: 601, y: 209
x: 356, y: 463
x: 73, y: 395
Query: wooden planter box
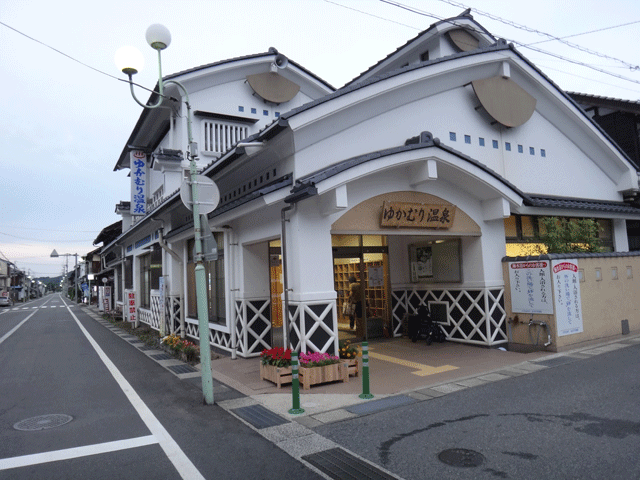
x: 352, y: 366
x: 277, y: 375
x: 328, y: 373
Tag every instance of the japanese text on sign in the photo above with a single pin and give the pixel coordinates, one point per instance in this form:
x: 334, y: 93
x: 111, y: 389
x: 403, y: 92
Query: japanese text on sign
x: 138, y: 183
x: 417, y: 215
x: 130, y: 307
x: 568, y: 302
x: 530, y: 287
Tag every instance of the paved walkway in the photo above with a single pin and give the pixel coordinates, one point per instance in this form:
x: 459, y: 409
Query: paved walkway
x: 401, y: 373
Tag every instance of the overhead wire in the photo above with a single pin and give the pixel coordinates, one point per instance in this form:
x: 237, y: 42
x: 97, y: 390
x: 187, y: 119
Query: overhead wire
x: 563, y: 58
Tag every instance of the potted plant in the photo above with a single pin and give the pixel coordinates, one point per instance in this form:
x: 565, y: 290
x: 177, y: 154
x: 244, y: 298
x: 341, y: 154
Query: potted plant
x: 350, y: 353
x: 319, y: 367
x: 275, y: 365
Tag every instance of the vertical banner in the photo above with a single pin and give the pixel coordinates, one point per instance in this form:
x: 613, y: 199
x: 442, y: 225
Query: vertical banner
x: 568, y: 303
x: 106, y: 299
x: 138, y: 163
x: 130, y: 309
x: 530, y: 287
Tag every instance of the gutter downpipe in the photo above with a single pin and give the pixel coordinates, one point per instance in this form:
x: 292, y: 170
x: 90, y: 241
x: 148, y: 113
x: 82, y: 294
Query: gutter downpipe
x: 285, y: 277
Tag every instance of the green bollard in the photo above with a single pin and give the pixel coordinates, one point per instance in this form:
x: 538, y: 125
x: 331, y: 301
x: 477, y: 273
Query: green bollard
x: 295, y: 385
x: 365, y: 371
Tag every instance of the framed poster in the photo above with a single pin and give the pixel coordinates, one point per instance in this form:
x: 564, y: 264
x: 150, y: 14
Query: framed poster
x: 421, y: 262
x: 566, y: 283
x: 530, y: 287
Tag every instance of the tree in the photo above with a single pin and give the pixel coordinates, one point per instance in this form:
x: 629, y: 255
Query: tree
x: 564, y: 235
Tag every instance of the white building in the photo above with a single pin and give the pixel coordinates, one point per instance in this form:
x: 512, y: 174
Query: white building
x: 421, y: 168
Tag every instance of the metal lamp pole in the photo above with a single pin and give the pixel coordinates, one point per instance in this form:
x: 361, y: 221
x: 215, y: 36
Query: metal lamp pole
x: 159, y: 38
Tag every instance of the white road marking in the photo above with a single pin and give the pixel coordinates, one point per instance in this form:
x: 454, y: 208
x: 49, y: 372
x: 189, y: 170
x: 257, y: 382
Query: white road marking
x: 68, y: 453
x: 10, y: 332
x: 181, y: 462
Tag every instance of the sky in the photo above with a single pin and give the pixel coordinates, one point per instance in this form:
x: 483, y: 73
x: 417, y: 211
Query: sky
x: 66, y: 116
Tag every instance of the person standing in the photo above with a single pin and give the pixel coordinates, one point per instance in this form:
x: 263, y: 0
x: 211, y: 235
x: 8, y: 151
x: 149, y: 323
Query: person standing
x: 355, y: 298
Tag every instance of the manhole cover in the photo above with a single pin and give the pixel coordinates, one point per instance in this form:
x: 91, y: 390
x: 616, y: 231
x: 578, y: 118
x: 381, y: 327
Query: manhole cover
x: 460, y: 457
x: 43, y: 422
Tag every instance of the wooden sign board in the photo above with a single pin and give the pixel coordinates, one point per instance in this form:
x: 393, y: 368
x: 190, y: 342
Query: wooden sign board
x: 417, y: 215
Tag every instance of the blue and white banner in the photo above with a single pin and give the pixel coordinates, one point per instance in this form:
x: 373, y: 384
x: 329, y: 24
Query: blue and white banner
x: 139, y: 174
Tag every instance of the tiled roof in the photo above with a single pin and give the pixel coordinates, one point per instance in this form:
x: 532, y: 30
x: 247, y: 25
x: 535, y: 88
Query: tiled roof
x: 541, y: 201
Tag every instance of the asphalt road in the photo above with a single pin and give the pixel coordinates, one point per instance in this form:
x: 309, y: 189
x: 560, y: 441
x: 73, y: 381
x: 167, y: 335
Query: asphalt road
x: 578, y: 420
x: 131, y: 418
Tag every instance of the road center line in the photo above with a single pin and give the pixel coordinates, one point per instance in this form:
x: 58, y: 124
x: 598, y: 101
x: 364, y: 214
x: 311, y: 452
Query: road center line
x: 181, y: 462
x: 68, y: 453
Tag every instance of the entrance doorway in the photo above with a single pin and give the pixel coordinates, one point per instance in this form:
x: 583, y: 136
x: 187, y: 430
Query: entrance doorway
x: 276, y: 289
x: 362, y: 260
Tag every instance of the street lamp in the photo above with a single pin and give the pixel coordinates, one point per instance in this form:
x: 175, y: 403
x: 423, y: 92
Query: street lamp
x: 129, y: 62
x: 55, y: 254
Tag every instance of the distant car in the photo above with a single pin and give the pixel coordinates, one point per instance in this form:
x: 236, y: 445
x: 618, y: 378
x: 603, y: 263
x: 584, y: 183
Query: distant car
x: 6, y: 302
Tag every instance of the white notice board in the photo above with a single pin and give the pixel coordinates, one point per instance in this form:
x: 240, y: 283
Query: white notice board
x: 530, y: 287
x: 568, y: 303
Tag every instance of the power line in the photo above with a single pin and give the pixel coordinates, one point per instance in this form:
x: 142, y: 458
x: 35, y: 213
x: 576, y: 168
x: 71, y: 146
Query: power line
x: 589, y: 32
x: 372, y: 15
x: 453, y: 22
x: 533, y: 30
x: 76, y: 60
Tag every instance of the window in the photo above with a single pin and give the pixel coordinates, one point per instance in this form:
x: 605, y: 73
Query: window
x: 520, y: 149
x: 532, y: 151
x: 240, y: 108
x: 424, y: 56
x: 452, y: 136
x: 495, y: 143
x: 221, y: 136
x: 150, y: 273
x: 507, y: 146
x: 214, y: 274
x: 543, y: 152
x: 481, y: 141
x: 253, y: 110
x: 467, y: 139
x: 265, y: 113
x: 128, y: 273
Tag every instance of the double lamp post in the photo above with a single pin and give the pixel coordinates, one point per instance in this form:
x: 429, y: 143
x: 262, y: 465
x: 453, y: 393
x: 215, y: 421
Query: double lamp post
x: 55, y: 254
x: 129, y: 61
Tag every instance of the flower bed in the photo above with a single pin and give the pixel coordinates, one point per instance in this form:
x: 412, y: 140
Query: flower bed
x: 183, y: 348
x: 275, y: 365
x: 349, y: 353
x: 322, y: 374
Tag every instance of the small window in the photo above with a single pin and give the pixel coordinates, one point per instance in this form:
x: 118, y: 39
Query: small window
x: 424, y: 56
x: 277, y: 114
x: 495, y: 143
x: 265, y: 113
x: 598, y: 275
x: 629, y: 272
x: 532, y: 151
x: 452, y: 136
x: 543, y: 152
x: 507, y: 146
x: 240, y: 108
x: 481, y: 141
x: 253, y: 110
x: 467, y: 139
x: 520, y: 149
x: 581, y: 275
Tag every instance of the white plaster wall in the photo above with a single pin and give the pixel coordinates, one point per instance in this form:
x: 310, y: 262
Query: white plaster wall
x: 453, y: 111
x: 255, y: 267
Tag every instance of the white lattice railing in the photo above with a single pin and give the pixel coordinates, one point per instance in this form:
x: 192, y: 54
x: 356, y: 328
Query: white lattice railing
x: 218, y: 137
x: 313, y: 327
x: 474, y: 315
x: 217, y: 338
x: 173, y: 307
x: 253, y: 326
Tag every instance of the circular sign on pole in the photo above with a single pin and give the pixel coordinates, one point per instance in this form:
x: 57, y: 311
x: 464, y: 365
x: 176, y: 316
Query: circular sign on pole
x: 208, y: 194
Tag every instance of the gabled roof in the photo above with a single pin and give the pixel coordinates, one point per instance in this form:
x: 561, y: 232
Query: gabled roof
x: 572, y: 203
x: 144, y: 115
x: 630, y: 106
x: 464, y: 15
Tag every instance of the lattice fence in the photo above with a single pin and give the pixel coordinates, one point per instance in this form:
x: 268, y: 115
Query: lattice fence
x: 475, y: 316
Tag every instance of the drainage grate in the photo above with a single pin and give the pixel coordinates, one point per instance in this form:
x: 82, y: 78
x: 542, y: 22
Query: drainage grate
x: 161, y: 356
x: 182, y: 369
x: 461, y: 457
x: 378, y: 405
x: 259, y: 416
x: 339, y: 464
x: 43, y: 422
x: 146, y: 347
